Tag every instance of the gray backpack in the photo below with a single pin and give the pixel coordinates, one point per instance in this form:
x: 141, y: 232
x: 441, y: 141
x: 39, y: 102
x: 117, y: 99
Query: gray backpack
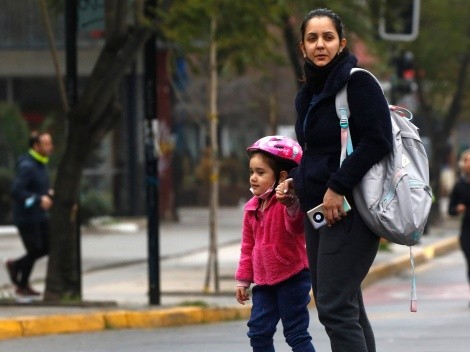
x: 394, y: 197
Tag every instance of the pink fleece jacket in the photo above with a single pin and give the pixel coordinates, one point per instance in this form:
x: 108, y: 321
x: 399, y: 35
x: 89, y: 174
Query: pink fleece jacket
x: 272, y: 246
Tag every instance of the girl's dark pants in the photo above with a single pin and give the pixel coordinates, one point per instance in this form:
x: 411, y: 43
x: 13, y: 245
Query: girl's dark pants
x: 340, y: 257
x: 288, y: 302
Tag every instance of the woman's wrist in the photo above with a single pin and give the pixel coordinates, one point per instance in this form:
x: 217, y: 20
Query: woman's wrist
x: 293, y: 208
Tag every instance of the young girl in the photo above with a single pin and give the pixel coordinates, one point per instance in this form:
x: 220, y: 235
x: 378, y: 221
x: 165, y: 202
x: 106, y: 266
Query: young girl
x: 273, y: 252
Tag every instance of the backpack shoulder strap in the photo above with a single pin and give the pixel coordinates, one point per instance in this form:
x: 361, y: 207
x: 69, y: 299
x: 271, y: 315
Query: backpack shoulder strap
x: 341, y: 100
x: 342, y: 107
x: 343, y: 112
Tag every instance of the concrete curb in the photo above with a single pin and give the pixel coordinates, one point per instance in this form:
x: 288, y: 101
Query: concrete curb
x: 27, y: 326
x: 401, y: 263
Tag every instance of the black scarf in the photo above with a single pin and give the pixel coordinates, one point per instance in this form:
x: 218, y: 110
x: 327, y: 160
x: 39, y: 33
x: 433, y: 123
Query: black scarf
x: 316, y: 76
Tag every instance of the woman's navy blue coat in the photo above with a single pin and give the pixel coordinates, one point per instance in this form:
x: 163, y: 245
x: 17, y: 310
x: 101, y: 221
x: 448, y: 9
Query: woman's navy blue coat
x: 319, y: 134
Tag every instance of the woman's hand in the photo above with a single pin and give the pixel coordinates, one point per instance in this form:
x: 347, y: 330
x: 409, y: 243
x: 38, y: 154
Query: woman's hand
x: 333, y: 207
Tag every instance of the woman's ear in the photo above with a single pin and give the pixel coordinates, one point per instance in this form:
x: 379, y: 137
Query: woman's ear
x: 342, y: 44
x: 302, y: 49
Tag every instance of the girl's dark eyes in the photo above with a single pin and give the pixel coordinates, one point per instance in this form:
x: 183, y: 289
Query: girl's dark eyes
x: 259, y: 173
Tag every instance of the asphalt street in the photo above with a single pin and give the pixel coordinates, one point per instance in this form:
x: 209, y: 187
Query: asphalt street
x: 115, y: 270
x: 440, y: 325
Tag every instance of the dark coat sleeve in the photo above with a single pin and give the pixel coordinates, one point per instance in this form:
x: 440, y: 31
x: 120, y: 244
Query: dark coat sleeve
x: 370, y: 128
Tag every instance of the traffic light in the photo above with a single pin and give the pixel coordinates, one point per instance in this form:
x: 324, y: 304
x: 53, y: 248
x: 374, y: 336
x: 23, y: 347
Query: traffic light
x: 405, y: 66
x: 399, y: 20
x: 404, y: 81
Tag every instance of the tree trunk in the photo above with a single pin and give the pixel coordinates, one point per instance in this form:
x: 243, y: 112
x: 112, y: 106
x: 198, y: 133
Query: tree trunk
x: 213, y: 264
x: 94, y: 116
x: 292, y: 45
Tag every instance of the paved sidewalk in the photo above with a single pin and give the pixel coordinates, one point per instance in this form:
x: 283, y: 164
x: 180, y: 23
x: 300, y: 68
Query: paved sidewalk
x: 115, y: 282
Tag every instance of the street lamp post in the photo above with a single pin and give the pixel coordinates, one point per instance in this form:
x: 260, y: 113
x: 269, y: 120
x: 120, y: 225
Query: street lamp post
x: 151, y: 162
x: 71, y: 28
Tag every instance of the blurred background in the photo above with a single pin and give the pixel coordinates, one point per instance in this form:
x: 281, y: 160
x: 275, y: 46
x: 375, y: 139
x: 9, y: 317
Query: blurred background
x: 209, y: 108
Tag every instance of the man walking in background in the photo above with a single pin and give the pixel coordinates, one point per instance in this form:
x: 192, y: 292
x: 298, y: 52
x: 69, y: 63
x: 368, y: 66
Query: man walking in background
x: 32, y: 199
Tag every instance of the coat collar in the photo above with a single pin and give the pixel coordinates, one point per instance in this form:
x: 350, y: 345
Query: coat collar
x: 253, y: 203
x: 339, y: 76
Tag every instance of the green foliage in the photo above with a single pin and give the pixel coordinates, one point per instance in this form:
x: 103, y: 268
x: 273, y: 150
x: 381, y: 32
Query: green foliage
x: 196, y: 303
x: 13, y: 142
x: 442, y: 42
x: 384, y: 245
x: 250, y: 33
x: 14, y: 134
x: 243, y: 34
x: 6, y: 178
x: 95, y: 203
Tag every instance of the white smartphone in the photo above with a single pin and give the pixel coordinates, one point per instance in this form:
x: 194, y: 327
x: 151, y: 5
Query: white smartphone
x: 317, y: 218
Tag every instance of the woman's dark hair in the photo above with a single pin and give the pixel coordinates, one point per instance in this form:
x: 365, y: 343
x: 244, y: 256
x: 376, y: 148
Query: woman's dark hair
x: 324, y: 13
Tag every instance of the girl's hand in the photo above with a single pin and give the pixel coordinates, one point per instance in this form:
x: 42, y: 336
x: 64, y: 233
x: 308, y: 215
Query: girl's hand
x: 285, y: 192
x: 242, y: 295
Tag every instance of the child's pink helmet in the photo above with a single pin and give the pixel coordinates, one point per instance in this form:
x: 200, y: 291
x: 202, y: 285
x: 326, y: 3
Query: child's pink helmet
x: 280, y: 146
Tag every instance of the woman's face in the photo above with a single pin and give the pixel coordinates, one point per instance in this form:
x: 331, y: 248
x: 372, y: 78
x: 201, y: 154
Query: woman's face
x: 262, y: 176
x: 321, y: 41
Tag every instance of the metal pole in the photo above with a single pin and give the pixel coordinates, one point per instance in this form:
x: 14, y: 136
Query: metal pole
x: 71, y: 28
x: 71, y: 20
x: 151, y: 162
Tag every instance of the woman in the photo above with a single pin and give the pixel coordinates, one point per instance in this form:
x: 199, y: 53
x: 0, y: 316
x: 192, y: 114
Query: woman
x: 459, y: 204
x: 341, y: 253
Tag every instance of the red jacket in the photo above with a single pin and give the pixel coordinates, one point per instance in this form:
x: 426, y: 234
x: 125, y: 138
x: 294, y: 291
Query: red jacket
x: 272, y: 246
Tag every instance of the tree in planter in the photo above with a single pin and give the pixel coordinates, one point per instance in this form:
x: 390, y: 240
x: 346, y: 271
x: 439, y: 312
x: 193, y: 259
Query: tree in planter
x: 224, y: 36
x: 89, y: 121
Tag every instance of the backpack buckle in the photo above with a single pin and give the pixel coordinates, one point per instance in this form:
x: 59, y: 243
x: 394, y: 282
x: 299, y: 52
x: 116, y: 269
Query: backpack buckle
x: 343, y: 118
